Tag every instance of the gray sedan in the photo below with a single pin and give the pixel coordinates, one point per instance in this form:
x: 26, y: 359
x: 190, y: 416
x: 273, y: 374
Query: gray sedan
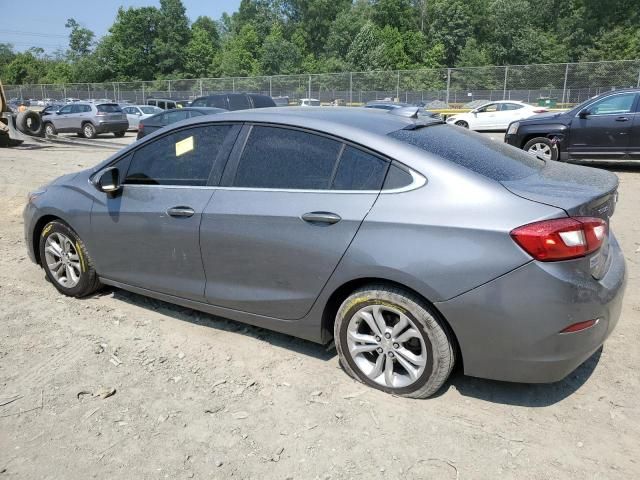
x: 412, y: 244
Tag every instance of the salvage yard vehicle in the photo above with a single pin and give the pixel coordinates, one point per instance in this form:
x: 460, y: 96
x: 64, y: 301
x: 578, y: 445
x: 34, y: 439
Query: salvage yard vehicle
x: 160, y: 120
x: 234, y: 101
x: 495, y: 115
x: 606, y: 127
x: 136, y: 113
x: 410, y: 243
x: 87, y: 120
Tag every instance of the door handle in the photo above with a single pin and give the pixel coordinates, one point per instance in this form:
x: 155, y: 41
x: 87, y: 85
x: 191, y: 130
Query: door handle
x: 321, y: 217
x: 180, y: 212
x: 622, y: 119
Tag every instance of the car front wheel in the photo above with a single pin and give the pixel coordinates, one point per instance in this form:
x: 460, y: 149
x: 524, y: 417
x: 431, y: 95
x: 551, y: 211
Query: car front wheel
x: 392, y: 340
x: 462, y: 123
x: 542, y: 147
x: 66, y: 260
x: 49, y: 129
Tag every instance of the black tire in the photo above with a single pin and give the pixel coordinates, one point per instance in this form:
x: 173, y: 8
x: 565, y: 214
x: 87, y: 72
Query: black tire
x: 462, y: 123
x: 88, y: 130
x: 29, y: 122
x: 440, y: 351
x: 545, y: 141
x: 119, y: 134
x: 49, y: 129
x: 88, y: 279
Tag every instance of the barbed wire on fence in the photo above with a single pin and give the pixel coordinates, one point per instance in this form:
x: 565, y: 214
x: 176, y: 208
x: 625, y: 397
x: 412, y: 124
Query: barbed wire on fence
x: 563, y: 84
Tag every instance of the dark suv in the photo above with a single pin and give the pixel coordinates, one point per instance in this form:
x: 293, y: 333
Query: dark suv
x: 606, y: 127
x: 234, y: 101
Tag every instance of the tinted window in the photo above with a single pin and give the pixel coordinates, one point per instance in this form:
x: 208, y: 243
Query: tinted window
x: 283, y: 158
x: 238, y: 102
x: 176, y: 116
x: 199, y: 102
x: 397, y: 178
x: 613, y: 105
x: 66, y: 109
x: 359, y: 170
x: 181, y: 158
x: 262, y: 101
x: 108, y: 108
x: 510, y: 106
x: 218, y: 101
x: 86, y: 108
x: 493, y: 159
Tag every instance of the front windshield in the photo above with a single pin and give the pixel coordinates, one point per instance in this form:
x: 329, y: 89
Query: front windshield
x: 150, y: 110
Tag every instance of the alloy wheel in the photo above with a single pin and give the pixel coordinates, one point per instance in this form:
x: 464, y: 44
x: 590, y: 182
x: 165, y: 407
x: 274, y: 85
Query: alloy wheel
x: 541, y: 150
x: 386, y: 345
x: 62, y: 260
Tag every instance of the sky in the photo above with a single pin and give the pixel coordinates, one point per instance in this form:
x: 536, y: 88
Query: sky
x: 40, y: 23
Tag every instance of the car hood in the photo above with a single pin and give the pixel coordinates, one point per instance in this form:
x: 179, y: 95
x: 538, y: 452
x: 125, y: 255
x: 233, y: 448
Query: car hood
x: 545, y: 116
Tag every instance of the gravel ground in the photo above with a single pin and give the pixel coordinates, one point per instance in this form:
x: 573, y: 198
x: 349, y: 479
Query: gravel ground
x: 201, y: 397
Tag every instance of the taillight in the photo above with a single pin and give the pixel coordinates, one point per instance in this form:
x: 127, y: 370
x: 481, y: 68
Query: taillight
x: 141, y: 126
x: 561, y: 238
x: 540, y: 110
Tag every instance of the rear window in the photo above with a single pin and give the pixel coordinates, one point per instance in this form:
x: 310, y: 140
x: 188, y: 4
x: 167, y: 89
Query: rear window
x: 150, y: 110
x: 493, y: 159
x: 109, y: 108
x: 262, y: 101
x: 238, y: 102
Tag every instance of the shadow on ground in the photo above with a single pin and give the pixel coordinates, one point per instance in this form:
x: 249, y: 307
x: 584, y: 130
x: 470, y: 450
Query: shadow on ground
x: 507, y: 393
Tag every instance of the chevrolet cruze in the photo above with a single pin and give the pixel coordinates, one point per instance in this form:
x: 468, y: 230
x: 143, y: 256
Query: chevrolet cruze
x: 412, y: 244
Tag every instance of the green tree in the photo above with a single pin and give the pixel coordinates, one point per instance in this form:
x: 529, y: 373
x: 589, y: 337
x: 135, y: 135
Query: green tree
x: 201, y: 52
x: 278, y: 55
x: 24, y: 68
x: 240, y: 54
x: 80, y: 40
x: 173, y: 35
x: 395, y: 13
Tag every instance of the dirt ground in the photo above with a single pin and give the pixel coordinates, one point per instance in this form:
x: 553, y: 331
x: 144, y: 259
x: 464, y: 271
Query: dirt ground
x: 201, y: 397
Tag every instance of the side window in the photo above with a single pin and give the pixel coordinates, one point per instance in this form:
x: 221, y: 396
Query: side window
x: 359, y: 170
x: 161, y: 119
x: 66, y: 109
x: 195, y: 113
x: 217, y: 101
x: 185, y: 157
x: 76, y: 108
x: 285, y: 158
x: 397, y: 178
x: 86, y: 108
x: 162, y: 105
x: 615, y: 104
x: 199, y: 102
x: 492, y: 107
x: 239, y: 102
x: 510, y: 106
x: 176, y: 116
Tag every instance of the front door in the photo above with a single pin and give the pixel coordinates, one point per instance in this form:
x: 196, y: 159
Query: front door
x: 604, y: 132
x: 485, y: 117
x: 148, y: 235
x: 61, y: 118
x: 293, y: 203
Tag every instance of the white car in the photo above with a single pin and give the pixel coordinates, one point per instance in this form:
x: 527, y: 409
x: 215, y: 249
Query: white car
x: 309, y: 102
x: 495, y: 115
x: 135, y: 113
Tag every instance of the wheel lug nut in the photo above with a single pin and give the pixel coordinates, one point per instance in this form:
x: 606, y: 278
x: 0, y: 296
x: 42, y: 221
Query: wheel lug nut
x: 378, y: 338
x: 395, y: 345
x: 387, y: 335
x: 391, y: 355
x: 379, y: 349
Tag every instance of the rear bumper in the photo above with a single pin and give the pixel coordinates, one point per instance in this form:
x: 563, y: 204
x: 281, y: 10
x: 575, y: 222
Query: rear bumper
x: 109, y: 127
x: 508, y: 329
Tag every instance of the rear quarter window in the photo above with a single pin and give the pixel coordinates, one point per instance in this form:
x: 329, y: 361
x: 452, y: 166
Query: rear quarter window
x: 490, y: 158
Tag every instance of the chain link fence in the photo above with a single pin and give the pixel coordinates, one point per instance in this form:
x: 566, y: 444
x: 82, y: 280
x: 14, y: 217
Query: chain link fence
x: 561, y: 85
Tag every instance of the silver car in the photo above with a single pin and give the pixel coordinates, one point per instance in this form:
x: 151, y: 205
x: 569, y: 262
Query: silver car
x: 87, y: 120
x: 137, y: 113
x: 412, y: 244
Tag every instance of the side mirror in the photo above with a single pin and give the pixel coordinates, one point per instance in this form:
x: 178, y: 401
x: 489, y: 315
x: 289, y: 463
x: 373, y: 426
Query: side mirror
x: 584, y: 113
x: 108, y: 180
x: 139, y: 114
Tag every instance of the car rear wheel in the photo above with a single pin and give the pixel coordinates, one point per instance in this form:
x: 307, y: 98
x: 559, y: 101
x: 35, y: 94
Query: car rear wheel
x: 88, y: 130
x: 462, y: 123
x: 119, y: 134
x: 542, y: 147
x: 394, y: 341
x: 66, y: 260
x: 49, y: 129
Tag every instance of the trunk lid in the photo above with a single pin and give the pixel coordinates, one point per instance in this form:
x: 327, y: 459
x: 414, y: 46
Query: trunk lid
x: 579, y: 191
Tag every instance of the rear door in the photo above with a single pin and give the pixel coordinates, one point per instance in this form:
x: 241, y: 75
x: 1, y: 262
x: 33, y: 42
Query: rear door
x: 290, y: 204
x: 507, y: 113
x: 148, y: 235
x: 605, y: 132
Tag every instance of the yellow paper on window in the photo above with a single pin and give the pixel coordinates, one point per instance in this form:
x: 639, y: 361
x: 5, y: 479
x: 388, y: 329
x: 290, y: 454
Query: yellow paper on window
x: 184, y: 146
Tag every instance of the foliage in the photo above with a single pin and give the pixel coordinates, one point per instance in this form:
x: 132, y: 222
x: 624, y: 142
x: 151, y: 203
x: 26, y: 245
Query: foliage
x: 272, y: 37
